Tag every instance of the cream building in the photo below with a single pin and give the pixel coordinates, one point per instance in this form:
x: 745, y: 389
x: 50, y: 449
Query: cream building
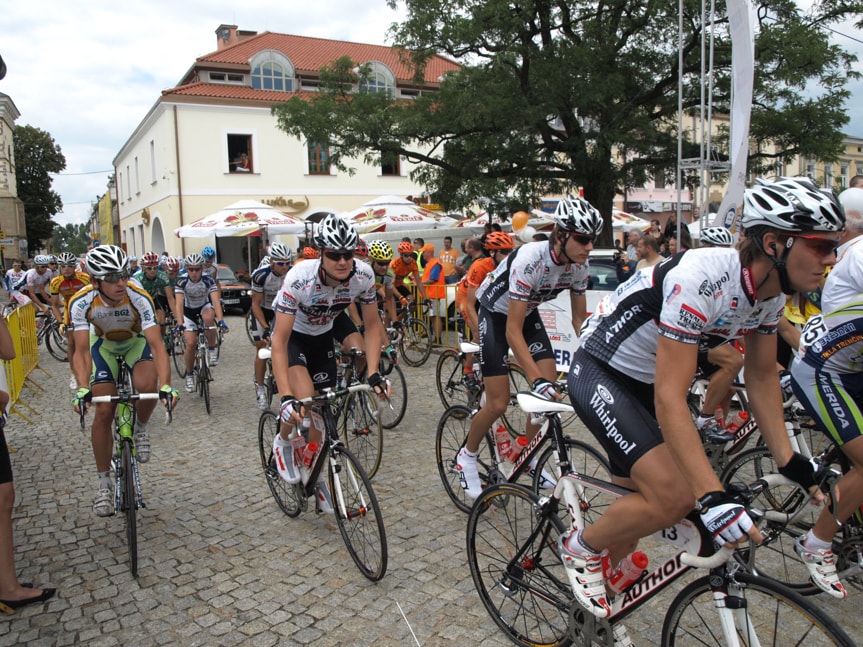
x: 13, y: 242
x: 212, y: 140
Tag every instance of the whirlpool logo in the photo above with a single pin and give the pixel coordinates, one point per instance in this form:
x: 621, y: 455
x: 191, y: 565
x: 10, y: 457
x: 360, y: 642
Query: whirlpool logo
x: 604, y: 393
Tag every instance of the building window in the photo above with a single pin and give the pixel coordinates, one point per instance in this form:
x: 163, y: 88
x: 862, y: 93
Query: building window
x: 128, y: 183
x: 120, y: 186
x: 240, y: 153
x: 153, y: 161
x: 390, y: 164
x: 319, y: 159
x: 843, y: 174
x: 137, y: 177
x: 272, y: 71
x: 380, y: 79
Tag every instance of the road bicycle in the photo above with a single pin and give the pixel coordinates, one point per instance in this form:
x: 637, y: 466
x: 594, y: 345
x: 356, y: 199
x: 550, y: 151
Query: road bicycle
x: 550, y: 441
x: 357, y: 511
x: 48, y: 331
x: 202, y: 371
x: 412, y: 333
x: 393, y: 409
x: 358, y: 413
x: 512, y: 549
x: 127, y: 479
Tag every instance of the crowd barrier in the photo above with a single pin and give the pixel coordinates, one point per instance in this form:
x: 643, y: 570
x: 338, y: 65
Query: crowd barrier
x: 22, y: 326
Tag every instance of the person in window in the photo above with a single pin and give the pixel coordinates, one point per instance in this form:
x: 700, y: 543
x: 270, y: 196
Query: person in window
x: 241, y: 164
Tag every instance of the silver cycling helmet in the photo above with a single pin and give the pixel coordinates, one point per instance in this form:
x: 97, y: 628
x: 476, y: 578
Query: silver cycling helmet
x: 578, y: 215
x: 792, y: 204
x: 106, y: 259
x: 334, y: 233
x: 280, y: 252
x: 41, y: 259
x: 194, y: 259
x: 67, y: 258
x: 718, y: 236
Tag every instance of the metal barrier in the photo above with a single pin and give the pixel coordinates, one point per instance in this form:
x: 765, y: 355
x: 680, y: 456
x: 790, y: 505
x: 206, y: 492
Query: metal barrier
x: 22, y: 326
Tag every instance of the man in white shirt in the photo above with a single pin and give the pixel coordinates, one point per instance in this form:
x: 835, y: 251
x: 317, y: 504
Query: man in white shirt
x: 845, y: 280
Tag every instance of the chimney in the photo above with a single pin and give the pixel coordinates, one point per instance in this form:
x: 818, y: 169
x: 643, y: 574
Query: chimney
x: 226, y: 35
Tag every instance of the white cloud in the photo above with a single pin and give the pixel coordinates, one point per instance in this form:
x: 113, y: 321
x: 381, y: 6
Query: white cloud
x: 88, y: 71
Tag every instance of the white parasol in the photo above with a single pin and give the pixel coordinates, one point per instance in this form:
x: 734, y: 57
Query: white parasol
x: 241, y: 219
x: 391, y: 213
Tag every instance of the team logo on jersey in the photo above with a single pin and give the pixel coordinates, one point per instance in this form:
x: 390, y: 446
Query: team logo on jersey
x: 673, y: 292
x: 690, y: 317
x: 713, y: 288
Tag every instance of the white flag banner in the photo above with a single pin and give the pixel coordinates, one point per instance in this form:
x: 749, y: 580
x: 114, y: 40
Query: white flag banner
x: 742, y: 71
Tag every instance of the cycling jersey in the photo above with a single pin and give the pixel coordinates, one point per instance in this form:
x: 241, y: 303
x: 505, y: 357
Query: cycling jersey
x: 529, y: 274
x: 195, y: 294
x: 834, y: 342
x: 265, y: 281
x: 846, y: 277
x: 314, y: 304
x: 66, y: 287
x: 694, y: 293
x: 401, y: 270
x: 385, y: 281
x: 32, y: 280
x: 13, y: 277
x: 155, y: 287
x: 119, y: 322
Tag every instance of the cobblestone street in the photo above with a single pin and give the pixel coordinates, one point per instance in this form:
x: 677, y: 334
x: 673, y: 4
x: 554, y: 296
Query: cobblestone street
x: 219, y: 564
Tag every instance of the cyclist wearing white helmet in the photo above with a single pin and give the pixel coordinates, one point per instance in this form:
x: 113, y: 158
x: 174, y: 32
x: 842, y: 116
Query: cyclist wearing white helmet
x: 310, y: 316
x: 509, y: 320
x: 120, y: 314
x: 32, y: 287
x: 61, y: 289
x: 630, y: 376
x: 716, y: 237
x: 266, y: 282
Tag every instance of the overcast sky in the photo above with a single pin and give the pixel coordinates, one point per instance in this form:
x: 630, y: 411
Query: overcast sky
x: 88, y: 71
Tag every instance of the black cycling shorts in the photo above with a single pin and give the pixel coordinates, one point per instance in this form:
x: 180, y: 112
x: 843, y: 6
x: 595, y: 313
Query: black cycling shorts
x: 618, y: 410
x: 256, y: 328
x: 317, y: 354
x: 343, y: 326
x: 494, y: 349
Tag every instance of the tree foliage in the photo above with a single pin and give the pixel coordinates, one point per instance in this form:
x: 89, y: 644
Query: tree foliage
x: 36, y: 157
x: 71, y: 238
x: 554, y: 95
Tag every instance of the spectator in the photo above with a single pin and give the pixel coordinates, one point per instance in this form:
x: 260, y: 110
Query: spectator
x: 856, y: 182
x: 632, y: 244
x: 460, y: 261
x: 448, y: 258
x: 474, y: 249
x: 435, y: 287
x: 418, y: 245
x: 12, y: 593
x: 648, y: 252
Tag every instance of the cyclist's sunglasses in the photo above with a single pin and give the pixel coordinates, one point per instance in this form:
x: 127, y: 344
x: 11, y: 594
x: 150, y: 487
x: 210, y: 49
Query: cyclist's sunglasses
x: 281, y: 263
x: 151, y: 267
x: 339, y: 256
x: 382, y: 263
x: 115, y: 277
x: 582, y: 239
x: 72, y: 265
x: 194, y: 269
x: 408, y: 257
x: 822, y: 246
x: 505, y: 252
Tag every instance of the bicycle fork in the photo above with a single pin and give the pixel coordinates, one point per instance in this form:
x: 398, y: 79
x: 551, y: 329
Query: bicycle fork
x: 338, y: 474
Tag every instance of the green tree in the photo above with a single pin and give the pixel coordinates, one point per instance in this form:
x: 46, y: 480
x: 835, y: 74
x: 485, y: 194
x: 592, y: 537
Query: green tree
x: 71, y: 238
x: 555, y: 95
x: 36, y: 157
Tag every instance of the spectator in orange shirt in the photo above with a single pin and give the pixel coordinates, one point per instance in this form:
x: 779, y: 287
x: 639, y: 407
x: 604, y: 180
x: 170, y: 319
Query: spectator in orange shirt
x: 448, y: 257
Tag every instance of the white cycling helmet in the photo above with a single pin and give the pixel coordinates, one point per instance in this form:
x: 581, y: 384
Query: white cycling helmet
x: 41, y: 259
x: 334, y: 233
x: 66, y: 258
x: 718, y: 236
x: 280, y: 252
x: 792, y: 204
x: 578, y: 215
x: 106, y: 259
x: 194, y: 259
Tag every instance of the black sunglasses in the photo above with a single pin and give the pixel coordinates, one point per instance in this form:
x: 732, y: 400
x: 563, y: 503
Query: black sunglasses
x: 193, y: 269
x: 115, y: 277
x: 582, y: 239
x: 339, y: 256
x: 382, y: 263
x: 281, y: 263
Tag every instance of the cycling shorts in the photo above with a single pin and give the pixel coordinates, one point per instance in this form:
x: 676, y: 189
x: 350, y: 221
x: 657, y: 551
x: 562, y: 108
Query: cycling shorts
x: 190, y: 316
x: 104, y: 354
x: 494, y: 349
x: 833, y: 400
x: 618, y: 410
x: 256, y: 329
x: 343, y: 326
x: 317, y: 354
x: 160, y: 302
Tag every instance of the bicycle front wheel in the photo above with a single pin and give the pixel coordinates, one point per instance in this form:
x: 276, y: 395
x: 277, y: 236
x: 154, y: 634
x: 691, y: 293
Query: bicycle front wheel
x: 289, y: 496
x: 358, y: 514
x: 204, y: 385
x: 515, y: 420
x: 450, y: 437
x: 248, y: 321
x: 129, y: 503
x: 362, y: 430
x: 449, y: 377
x: 56, y: 343
x: 415, y: 343
x: 393, y: 409
x: 179, y: 353
x: 515, y: 566
x: 765, y: 613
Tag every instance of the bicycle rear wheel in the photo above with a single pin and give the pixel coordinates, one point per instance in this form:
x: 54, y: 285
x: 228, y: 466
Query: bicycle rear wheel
x: 179, y: 353
x: 515, y: 420
x: 56, y: 343
x: 248, y: 321
x: 768, y: 614
x: 450, y: 437
x: 393, y: 410
x: 358, y: 514
x: 449, y: 377
x: 515, y: 566
x: 129, y: 502
x: 289, y: 496
x: 415, y: 343
x: 362, y: 430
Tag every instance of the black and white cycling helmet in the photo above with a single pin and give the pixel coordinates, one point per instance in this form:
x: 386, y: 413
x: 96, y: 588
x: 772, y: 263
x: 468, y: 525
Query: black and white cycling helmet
x: 67, y: 258
x: 41, y: 259
x: 334, y: 233
x: 578, y: 215
x: 194, y: 259
x: 106, y: 259
x: 718, y: 236
x: 792, y: 204
x: 280, y: 252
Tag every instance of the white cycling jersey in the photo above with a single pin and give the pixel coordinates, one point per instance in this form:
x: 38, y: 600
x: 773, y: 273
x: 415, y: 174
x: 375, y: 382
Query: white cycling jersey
x: 703, y: 292
x: 196, y: 294
x: 313, y: 303
x: 529, y: 274
x: 267, y: 282
x: 845, y: 281
x: 32, y: 280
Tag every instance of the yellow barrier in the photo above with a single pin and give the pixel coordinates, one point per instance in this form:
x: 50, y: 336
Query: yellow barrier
x: 22, y: 326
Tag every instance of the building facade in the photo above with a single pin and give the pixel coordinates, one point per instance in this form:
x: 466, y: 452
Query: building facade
x: 13, y: 241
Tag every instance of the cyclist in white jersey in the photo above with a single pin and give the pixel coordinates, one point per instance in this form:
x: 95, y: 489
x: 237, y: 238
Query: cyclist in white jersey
x: 631, y: 373
x: 313, y: 296
x: 33, y: 285
x: 266, y: 283
x: 509, y: 319
x: 210, y: 269
x: 13, y: 276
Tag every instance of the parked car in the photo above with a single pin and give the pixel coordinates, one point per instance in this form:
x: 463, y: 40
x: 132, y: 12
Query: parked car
x: 236, y: 294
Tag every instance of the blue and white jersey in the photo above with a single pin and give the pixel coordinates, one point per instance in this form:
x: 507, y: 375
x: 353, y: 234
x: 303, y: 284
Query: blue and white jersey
x: 265, y: 281
x: 195, y: 294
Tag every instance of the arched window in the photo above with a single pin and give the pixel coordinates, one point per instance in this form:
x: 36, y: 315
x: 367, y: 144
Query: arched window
x: 380, y: 79
x: 272, y: 71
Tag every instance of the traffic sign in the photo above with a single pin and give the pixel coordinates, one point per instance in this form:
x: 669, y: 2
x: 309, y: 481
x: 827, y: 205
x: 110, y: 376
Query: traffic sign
x: 6, y: 242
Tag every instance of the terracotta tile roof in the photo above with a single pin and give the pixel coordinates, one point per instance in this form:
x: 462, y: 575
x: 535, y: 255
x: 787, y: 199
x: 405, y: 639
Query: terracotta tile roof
x: 225, y: 91
x: 310, y: 54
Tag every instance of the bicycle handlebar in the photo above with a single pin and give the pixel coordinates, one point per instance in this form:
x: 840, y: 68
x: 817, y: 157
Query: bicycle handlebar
x: 712, y: 561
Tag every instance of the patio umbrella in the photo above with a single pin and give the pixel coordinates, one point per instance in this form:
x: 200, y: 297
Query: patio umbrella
x: 241, y: 219
x: 391, y: 213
